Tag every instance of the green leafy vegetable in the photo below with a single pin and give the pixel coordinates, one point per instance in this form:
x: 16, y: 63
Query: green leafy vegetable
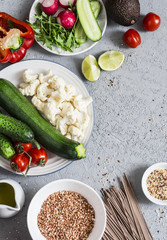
x: 49, y: 32
x: 10, y: 24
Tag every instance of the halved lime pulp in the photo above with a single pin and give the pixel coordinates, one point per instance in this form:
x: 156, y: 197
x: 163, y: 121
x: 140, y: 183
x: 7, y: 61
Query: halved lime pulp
x: 90, y: 68
x: 111, y: 60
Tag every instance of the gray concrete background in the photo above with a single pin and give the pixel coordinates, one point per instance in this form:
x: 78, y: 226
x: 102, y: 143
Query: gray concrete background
x: 130, y: 131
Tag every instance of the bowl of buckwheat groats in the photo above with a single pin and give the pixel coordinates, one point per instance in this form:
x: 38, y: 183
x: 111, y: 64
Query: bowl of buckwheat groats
x: 66, y: 210
x: 154, y: 183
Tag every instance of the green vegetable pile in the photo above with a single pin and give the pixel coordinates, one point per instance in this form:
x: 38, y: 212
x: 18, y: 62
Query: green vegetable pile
x: 50, y: 33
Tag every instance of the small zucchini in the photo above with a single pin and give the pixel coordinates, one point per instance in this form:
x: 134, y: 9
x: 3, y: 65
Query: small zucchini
x: 6, y: 147
x: 88, y: 20
x: 80, y: 35
x: 15, y: 129
x: 17, y: 105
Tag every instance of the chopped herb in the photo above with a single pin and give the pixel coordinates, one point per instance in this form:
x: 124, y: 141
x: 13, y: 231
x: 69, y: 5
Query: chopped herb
x: 10, y: 24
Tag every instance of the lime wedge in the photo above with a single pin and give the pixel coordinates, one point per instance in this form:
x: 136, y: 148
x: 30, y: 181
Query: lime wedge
x: 111, y: 60
x: 90, y: 69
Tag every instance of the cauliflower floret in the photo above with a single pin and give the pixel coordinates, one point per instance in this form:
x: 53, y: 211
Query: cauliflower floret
x: 43, y: 91
x: 70, y: 92
x: 66, y: 107
x: 29, y: 76
x: 38, y: 103
x: 75, y: 132
x: 24, y: 85
x: 72, y: 117
x: 79, y: 116
x: 57, y: 119
x: 50, y: 110
x: 83, y: 121
x: 61, y: 124
x: 82, y: 103
x: 86, y: 120
x: 68, y: 135
x: 45, y: 77
x: 59, y: 96
x: 29, y: 89
x: 56, y: 82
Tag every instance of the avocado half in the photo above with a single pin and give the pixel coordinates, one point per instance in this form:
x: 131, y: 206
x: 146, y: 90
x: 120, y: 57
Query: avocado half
x: 124, y: 12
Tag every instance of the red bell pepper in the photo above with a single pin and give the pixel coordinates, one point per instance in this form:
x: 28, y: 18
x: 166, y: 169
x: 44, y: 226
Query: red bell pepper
x: 15, y: 38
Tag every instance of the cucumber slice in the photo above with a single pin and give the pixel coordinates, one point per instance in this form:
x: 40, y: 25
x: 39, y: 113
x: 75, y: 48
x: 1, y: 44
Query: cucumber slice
x: 88, y: 20
x: 96, y: 7
x: 80, y: 35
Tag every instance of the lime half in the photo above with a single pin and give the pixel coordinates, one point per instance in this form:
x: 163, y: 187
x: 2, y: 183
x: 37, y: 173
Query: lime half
x: 90, y: 68
x: 111, y: 60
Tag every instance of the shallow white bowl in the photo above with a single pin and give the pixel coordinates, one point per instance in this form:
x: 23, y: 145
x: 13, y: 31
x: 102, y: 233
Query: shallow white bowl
x: 102, y: 21
x: 161, y: 165
x: 68, y: 185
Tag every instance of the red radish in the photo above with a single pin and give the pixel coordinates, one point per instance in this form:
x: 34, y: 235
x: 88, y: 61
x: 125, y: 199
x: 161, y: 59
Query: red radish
x: 65, y: 3
x: 66, y: 18
x: 50, y: 7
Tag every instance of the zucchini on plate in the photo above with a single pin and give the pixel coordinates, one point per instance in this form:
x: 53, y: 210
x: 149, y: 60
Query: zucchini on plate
x: 19, y: 107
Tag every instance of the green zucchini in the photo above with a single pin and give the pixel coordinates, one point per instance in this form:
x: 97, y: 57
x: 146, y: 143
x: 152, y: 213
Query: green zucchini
x: 17, y: 105
x: 15, y: 129
x: 6, y: 147
x: 80, y: 35
x: 88, y: 20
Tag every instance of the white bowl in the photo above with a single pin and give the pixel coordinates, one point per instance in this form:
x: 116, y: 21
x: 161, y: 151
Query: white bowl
x: 102, y: 21
x: 162, y: 165
x: 68, y: 185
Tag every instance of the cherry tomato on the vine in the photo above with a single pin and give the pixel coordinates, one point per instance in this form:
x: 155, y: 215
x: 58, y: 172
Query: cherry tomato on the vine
x: 151, y: 22
x: 19, y: 162
x: 132, y: 38
x: 22, y: 146
x: 39, y: 156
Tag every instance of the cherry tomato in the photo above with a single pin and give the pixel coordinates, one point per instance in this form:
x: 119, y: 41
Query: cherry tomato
x: 39, y: 156
x: 19, y: 162
x: 151, y: 22
x: 132, y: 38
x: 22, y: 146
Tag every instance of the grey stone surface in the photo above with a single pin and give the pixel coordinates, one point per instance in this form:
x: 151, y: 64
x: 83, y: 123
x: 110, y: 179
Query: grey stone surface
x: 130, y: 117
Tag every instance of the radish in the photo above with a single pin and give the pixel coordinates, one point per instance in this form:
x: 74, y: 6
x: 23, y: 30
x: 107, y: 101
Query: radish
x: 65, y: 3
x: 66, y: 18
x: 49, y: 7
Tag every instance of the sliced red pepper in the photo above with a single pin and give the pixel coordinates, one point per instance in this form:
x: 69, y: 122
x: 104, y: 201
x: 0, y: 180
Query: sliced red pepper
x: 7, y: 23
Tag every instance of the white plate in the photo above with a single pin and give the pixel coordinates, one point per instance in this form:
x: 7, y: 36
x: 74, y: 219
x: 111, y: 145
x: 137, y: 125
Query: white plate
x: 69, y: 185
x: 102, y: 21
x: 14, y: 73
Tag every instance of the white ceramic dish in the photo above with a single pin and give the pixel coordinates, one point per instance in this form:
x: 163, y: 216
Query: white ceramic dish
x: 68, y: 185
x: 149, y: 170
x: 8, y: 211
x: 102, y: 20
x: 14, y: 73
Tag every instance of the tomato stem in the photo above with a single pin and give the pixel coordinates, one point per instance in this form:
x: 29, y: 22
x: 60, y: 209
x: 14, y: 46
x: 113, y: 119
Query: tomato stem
x: 20, y: 148
x: 42, y: 162
x: 36, y: 144
x: 15, y: 168
x: 29, y: 164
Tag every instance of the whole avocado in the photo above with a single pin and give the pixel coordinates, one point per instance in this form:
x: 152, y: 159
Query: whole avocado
x: 124, y: 12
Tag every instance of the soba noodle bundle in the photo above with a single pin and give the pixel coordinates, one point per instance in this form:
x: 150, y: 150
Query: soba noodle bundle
x: 125, y: 220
